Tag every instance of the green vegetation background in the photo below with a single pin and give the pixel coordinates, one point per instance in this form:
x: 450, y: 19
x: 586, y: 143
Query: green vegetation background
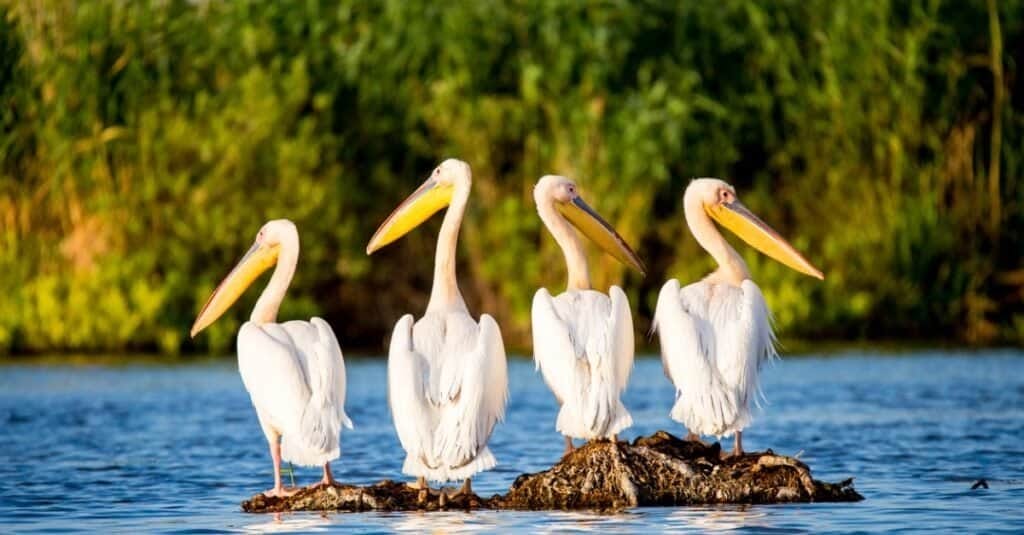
x: 143, y: 143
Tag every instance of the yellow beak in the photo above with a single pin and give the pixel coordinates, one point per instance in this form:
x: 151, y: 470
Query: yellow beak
x: 742, y: 222
x: 597, y: 230
x: 259, y: 259
x: 426, y: 201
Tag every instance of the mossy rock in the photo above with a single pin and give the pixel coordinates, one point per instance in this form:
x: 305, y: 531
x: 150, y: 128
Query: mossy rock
x: 659, y: 470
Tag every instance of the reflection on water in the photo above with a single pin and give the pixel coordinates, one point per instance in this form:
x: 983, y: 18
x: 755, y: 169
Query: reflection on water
x: 446, y: 522
x: 156, y: 448
x: 284, y: 523
x: 717, y: 519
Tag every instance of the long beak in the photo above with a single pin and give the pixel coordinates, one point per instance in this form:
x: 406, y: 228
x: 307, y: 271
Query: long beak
x: 426, y: 201
x: 742, y: 222
x: 595, y: 228
x: 259, y: 259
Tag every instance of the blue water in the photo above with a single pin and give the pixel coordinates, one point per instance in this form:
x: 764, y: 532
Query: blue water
x: 153, y: 448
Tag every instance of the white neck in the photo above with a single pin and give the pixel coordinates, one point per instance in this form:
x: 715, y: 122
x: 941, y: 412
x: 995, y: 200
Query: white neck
x: 731, y: 267
x: 445, y: 294
x: 567, y: 239
x: 269, y: 302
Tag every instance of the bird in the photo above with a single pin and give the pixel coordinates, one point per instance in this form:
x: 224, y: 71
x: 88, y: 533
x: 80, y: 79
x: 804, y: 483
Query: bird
x: 716, y: 334
x: 447, y: 373
x: 583, y: 338
x: 294, y: 371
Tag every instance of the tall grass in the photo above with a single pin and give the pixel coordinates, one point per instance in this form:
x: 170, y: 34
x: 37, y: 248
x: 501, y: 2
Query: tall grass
x: 143, y: 144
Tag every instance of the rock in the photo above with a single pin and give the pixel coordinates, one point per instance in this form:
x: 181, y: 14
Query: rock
x: 387, y: 495
x: 659, y: 470
x: 664, y: 470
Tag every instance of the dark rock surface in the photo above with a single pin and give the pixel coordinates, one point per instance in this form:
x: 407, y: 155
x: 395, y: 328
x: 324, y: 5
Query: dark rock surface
x: 386, y: 495
x: 656, y: 470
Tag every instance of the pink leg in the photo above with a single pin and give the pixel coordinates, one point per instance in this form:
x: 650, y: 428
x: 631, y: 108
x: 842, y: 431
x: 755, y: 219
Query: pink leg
x: 275, y: 455
x: 328, y: 478
x: 737, y: 447
x: 568, y: 446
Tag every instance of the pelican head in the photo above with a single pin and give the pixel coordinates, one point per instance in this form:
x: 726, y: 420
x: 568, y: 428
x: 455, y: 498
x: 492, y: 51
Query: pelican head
x: 718, y: 199
x: 261, y: 256
x: 564, y: 195
x: 432, y: 196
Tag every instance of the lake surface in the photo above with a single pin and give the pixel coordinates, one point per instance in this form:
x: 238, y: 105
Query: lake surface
x: 155, y: 448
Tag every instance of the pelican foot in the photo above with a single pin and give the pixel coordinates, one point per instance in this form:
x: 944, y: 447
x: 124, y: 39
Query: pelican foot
x: 466, y: 489
x: 735, y: 453
x: 444, y: 495
x: 425, y: 490
x: 328, y: 479
x: 420, y: 485
x: 280, y: 492
x: 694, y: 437
x: 569, y: 448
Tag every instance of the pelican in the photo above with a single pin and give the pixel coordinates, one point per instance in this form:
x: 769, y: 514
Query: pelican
x: 715, y: 334
x: 583, y: 339
x: 447, y: 375
x: 294, y: 371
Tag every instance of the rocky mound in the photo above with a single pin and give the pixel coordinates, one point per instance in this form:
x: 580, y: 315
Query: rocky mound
x: 659, y: 470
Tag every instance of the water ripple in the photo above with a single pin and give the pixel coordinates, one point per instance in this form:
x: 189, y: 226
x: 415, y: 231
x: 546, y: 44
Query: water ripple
x: 175, y: 449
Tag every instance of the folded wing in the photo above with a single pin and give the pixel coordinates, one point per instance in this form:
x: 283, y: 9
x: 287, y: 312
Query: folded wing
x: 704, y: 402
x: 553, y: 350
x: 474, y: 395
x: 407, y: 382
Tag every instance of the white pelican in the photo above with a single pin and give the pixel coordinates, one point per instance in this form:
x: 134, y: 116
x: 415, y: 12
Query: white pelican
x: 583, y: 339
x: 294, y: 371
x: 715, y: 334
x: 447, y: 375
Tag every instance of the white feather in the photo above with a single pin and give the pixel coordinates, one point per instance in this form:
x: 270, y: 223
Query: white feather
x: 583, y: 346
x: 295, y: 375
x: 714, y: 339
x: 407, y: 385
x: 448, y: 385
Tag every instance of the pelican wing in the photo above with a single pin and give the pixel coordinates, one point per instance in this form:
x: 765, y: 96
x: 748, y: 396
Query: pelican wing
x: 704, y: 402
x: 621, y: 326
x: 317, y: 411
x: 274, y: 374
x: 287, y: 372
x: 334, y: 378
x: 583, y: 345
x: 407, y: 384
x: 553, y: 350
x: 474, y: 390
x: 748, y: 326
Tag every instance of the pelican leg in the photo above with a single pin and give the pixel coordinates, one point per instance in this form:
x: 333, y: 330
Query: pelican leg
x: 467, y: 488
x: 694, y: 437
x: 568, y: 446
x: 274, y: 441
x: 420, y: 484
x: 737, y: 447
x: 425, y: 490
x: 328, y: 479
